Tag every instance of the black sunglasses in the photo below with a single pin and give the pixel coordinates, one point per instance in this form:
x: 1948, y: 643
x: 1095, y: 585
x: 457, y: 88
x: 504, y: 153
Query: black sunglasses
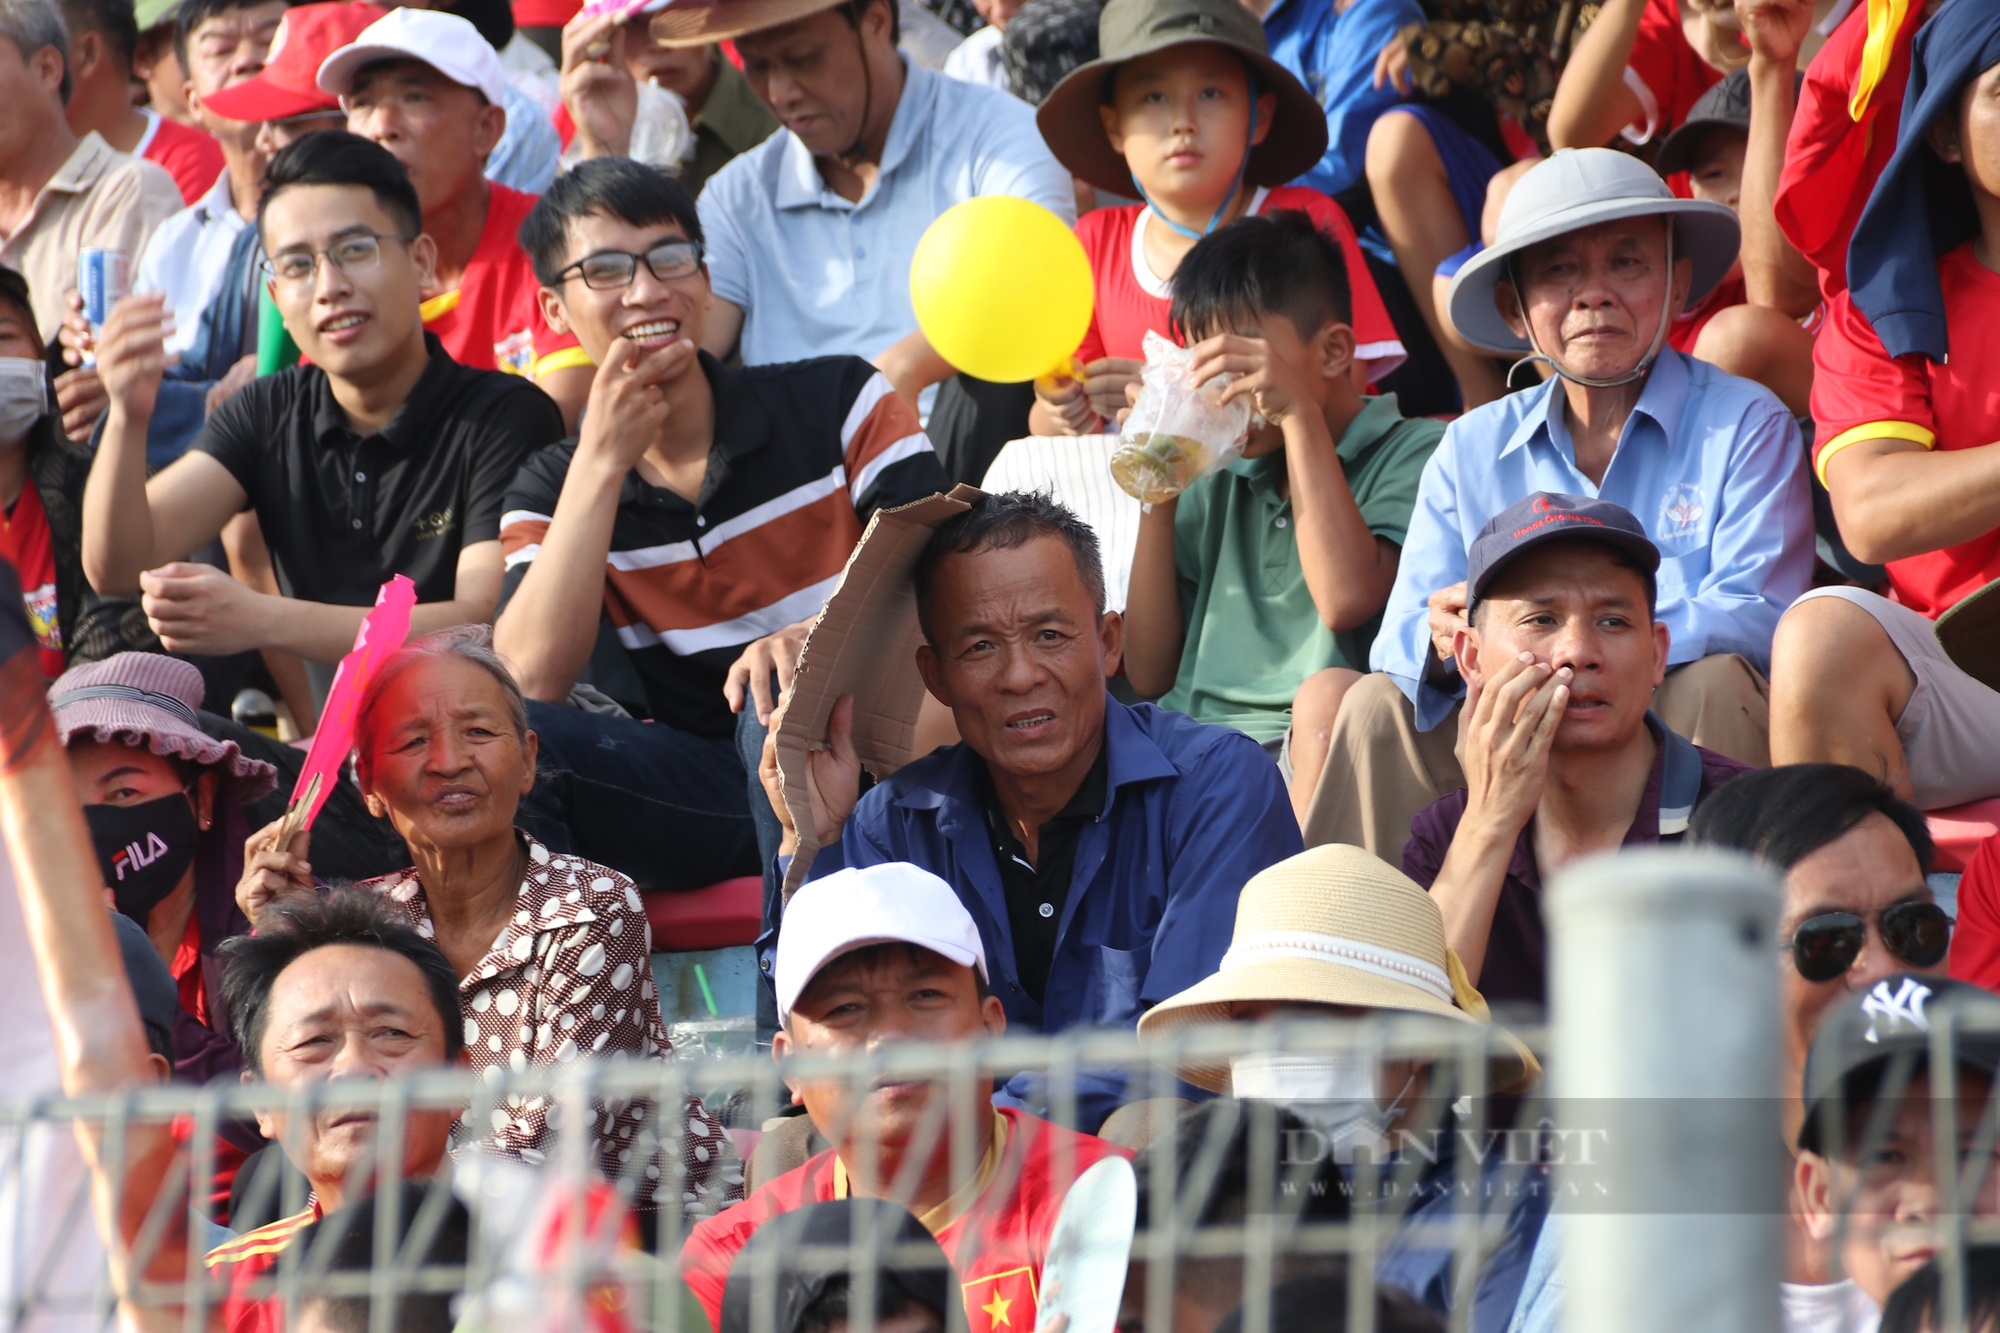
x: 1825, y: 946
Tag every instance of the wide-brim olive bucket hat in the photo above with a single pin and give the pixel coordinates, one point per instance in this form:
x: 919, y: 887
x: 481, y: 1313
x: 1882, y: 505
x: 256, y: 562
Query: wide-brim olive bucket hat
x: 1569, y: 190
x: 1129, y: 29
x: 1335, y: 926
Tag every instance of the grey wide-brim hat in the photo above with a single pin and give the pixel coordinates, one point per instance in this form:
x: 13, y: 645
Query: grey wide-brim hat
x: 1571, y: 189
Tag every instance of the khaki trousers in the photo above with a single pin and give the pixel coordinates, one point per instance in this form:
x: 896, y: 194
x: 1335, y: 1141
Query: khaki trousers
x: 1381, y: 771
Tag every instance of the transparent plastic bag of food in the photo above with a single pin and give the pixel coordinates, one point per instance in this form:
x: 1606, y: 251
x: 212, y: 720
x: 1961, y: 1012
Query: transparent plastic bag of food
x: 1178, y: 432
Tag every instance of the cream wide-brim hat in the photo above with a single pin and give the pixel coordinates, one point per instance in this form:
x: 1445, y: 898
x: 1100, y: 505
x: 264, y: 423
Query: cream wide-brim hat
x: 1335, y: 926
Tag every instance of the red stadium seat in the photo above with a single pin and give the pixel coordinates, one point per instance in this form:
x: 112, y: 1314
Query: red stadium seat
x: 1960, y: 829
x: 714, y: 917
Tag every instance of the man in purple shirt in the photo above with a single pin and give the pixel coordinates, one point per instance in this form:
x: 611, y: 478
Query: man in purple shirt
x: 1561, y: 653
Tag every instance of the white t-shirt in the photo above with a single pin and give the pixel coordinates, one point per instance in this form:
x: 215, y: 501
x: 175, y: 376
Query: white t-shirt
x: 1835, y: 1307
x: 977, y: 60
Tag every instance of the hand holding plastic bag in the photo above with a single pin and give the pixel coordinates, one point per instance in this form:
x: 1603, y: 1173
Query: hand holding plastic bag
x: 1179, y: 431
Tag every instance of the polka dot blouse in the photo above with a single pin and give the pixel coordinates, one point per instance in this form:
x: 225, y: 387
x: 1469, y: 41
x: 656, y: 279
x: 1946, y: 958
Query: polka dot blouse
x: 572, y: 976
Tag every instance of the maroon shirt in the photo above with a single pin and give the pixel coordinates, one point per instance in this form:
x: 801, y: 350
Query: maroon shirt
x: 1516, y: 967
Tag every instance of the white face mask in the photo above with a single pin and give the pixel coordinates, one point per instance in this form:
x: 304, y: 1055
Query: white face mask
x: 1335, y: 1094
x: 23, y: 399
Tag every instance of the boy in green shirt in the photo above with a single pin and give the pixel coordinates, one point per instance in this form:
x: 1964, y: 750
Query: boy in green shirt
x: 1256, y: 594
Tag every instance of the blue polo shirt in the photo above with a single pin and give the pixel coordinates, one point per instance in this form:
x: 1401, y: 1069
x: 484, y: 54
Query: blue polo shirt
x: 1333, y: 53
x: 1190, y: 813
x: 1711, y: 464
x: 816, y: 275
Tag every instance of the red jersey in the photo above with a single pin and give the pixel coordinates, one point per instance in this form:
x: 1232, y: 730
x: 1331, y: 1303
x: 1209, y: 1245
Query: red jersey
x: 1664, y: 71
x: 191, y: 156
x: 492, y: 319
x: 1860, y: 392
x: 251, y: 1303
x: 1684, y: 332
x: 1833, y: 157
x: 996, y: 1245
x: 1975, y: 941
x: 1131, y: 299
x: 25, y: 544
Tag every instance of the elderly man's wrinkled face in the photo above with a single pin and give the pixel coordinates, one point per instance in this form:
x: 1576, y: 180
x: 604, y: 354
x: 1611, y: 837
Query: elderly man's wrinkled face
x: 1972, y: 138
x: 814, y: 76
x: 1581, y: 605
x: 349, y: 1011
x: 1595, y: 298
x: 443, y: 758
x: 1020, y: 655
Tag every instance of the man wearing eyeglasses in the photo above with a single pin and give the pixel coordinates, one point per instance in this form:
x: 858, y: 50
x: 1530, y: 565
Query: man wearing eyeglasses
x: 382, y: 456
x: 702, y: 517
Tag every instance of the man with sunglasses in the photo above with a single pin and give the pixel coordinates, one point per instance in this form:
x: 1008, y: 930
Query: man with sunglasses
x: 381, y: 456
x: 691, y: 532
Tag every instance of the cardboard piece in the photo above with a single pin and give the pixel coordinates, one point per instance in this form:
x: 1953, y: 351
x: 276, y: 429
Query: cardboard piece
x: 864, y: 643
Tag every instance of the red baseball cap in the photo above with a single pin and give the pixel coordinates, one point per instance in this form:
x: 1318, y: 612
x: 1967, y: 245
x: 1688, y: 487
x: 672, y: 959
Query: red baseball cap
x: 289, y: 83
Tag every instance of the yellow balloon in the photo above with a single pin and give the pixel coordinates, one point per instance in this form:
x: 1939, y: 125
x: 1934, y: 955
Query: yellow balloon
x: 1001, y: 288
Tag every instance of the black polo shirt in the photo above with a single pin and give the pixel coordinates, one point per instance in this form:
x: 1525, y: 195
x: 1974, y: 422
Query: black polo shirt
x: 1036, y: 893
x: 342, y: 513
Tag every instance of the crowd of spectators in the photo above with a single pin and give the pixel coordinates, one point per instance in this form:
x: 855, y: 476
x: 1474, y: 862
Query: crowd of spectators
x: 1616, y: 475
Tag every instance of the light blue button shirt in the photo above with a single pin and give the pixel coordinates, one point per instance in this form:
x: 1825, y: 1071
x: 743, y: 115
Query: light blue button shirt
x: 187, y: 259
x: 817, y: 275
x: 1711, y: 464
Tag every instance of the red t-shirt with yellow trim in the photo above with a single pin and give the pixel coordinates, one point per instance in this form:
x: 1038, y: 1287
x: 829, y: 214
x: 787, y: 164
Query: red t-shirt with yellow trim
x: 243, y: 1267
x: 1664, y: 71
x: 1860, y: 392
x: 996, y: 1246
x: 492, y: 320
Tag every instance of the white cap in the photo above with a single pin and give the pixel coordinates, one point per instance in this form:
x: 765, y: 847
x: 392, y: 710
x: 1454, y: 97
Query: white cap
x: 891, y: 903
x: 443, y: 41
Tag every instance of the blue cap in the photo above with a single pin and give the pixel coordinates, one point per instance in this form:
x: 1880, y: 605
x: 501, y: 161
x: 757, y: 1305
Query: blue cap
x: 1548, y: 517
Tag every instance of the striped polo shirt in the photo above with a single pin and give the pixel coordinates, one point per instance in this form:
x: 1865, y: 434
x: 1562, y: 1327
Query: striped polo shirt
x: 804, y: 453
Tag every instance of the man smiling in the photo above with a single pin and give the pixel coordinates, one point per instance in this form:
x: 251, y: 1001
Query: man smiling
x: 702, y: 516
x: 1561, y: 653
x: 868, y: 958
x: 1100, y: 848
x: 381, y: 457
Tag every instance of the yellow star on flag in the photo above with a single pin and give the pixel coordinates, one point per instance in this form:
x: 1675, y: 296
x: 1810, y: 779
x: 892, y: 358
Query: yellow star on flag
x: 997, y: 1311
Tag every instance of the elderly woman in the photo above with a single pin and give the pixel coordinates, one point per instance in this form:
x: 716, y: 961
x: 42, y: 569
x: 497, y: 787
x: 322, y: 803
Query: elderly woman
x: 164, y: 802
x: 552, y: 952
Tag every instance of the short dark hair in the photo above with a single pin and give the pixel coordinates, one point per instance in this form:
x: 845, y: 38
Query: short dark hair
x: 1318, y: 1304
x: 1004, y: 522
x: 14, y: 293
x: 610, y: 187
x: 1277, y: 264
x: 433, y: 1236
x: 335, y: 157
x: 1044, y: 41
x: 1476, y: 606
x: 297, y: 925
x: 1917, y: 1306
x: 193, y: 13
x: 854, y: 9
x: 1787, y: 813
x: 871, y: 956
x: 830, y: 1310
x: 113, y: 20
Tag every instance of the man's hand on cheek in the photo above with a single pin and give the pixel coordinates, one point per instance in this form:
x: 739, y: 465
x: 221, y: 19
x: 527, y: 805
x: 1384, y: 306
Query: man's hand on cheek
x: 201, y: 609
x: 1505, y: 744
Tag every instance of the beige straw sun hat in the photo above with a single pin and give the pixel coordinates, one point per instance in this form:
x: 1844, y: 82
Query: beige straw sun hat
x: 1334, y: 926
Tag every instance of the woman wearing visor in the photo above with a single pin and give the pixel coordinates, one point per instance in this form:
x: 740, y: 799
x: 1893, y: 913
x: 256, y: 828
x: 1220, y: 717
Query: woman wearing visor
x: 1593, y: 259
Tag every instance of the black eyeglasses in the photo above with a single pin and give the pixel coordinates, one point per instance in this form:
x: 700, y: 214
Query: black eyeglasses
x: 613, y: 270
x: 1825, y: 946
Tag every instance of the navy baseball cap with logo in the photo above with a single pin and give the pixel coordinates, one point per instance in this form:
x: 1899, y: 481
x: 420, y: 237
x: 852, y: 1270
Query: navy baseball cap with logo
x: 1891, y: 1022
x: 1548, y: 517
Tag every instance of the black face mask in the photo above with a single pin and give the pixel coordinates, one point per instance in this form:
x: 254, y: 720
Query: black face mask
x: 143, y: 849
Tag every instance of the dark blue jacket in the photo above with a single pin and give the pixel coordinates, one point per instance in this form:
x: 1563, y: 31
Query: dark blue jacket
x: 1190, y: 813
